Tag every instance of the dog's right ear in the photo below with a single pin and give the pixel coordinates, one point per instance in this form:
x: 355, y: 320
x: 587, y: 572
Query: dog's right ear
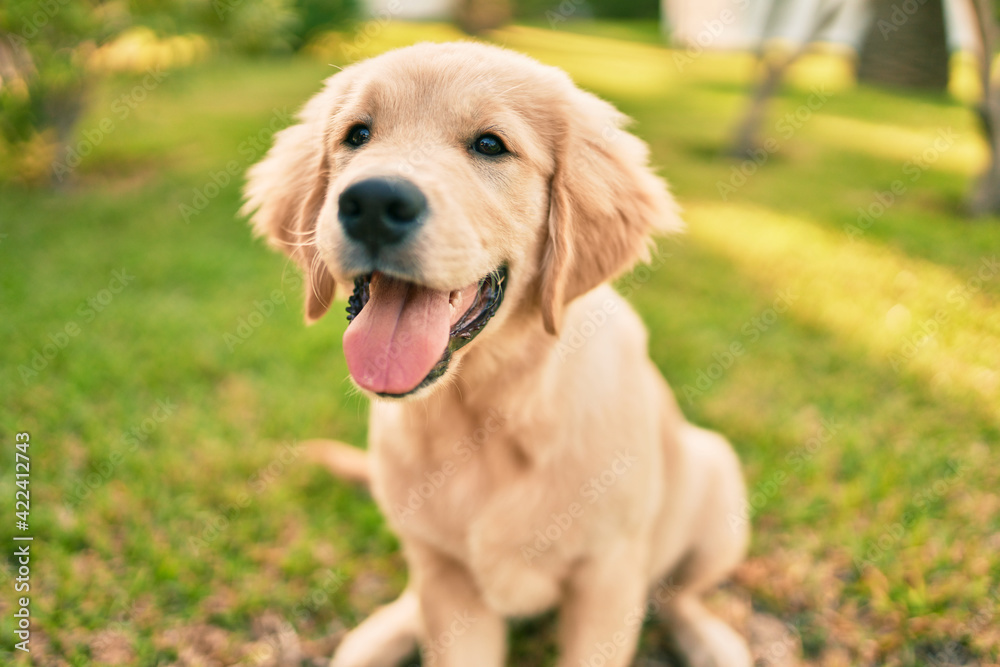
x: 605, y: 203
x: 285, y: 192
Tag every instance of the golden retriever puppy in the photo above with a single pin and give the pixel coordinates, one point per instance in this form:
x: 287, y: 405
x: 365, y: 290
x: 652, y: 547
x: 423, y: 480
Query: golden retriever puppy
x: 522, y: 444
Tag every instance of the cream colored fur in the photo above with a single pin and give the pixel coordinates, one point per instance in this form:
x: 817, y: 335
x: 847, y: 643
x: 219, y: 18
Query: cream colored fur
x: 551, y: 466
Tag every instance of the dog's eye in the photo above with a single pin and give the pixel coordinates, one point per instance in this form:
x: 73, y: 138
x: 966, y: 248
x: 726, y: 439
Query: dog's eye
x: 359, y: 135
x: 489, y: 144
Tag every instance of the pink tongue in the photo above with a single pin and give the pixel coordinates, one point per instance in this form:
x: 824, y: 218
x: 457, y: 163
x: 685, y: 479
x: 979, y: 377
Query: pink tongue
x: 399, y: 335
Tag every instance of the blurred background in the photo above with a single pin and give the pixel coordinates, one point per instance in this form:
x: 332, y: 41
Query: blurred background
x: 834, y: 308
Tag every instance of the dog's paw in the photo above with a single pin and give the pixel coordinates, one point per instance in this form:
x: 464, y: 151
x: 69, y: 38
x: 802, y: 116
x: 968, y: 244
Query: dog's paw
x: 384, y: 639
x: 722, y: 647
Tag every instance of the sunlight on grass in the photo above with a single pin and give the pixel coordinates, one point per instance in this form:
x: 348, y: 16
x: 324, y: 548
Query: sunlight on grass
x: 613, y: 66
x: 831, y: 68
x: 911, y: 314
x: 618, y: 66
x: 612, y: 51
x: 963, y: 153
x: 964, y: 80
x: 713, y: 67
x: 374, y: 37
x: 830, y: 71
x: 893, y: 338
x: 28, y: 163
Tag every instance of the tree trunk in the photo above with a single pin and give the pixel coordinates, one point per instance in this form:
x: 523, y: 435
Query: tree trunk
x: 906, y: 45
x: 478, y: 16
x: 747, y: 140
x: 775, y: 65
x: 985, y: 197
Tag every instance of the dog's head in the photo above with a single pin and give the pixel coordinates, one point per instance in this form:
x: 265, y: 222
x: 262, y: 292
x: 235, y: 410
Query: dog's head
x: 451, y: 186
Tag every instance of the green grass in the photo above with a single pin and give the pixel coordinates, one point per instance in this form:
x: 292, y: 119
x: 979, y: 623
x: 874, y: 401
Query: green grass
x: 199, y: 533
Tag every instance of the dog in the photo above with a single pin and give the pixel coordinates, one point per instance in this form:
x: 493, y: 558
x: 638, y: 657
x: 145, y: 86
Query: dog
x: 522, y: 445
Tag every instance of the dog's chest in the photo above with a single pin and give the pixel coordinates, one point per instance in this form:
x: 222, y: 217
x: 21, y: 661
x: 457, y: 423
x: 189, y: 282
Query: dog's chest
x: 435, y: 484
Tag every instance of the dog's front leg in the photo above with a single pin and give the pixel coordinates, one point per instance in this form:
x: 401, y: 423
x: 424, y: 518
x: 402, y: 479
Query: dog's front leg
x: 460, y: 629
x: 602, y: 612
x: 385, y: 638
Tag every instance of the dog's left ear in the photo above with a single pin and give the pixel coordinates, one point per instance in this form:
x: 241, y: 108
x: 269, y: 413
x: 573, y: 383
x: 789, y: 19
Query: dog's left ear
x: 605, y: 203
x: 286, y: 190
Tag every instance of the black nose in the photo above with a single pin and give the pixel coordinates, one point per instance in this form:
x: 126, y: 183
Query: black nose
x: 381, y: 212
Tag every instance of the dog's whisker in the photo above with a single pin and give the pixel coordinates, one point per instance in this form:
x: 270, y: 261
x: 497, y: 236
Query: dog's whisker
x: 458, y: 381
x: 313, y: 267
x: 296, y: 232
x: 514, y: 87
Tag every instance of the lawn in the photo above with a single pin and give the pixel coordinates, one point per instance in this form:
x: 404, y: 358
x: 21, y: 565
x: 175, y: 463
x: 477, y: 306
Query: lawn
x: 158, y: 359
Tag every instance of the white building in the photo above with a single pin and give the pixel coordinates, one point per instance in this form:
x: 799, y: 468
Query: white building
x: 740, y: 24
x: 414, y: 10
x: 731, y: 24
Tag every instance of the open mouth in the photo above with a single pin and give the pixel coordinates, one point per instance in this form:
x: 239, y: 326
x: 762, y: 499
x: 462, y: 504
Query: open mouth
x: 402, y: 335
